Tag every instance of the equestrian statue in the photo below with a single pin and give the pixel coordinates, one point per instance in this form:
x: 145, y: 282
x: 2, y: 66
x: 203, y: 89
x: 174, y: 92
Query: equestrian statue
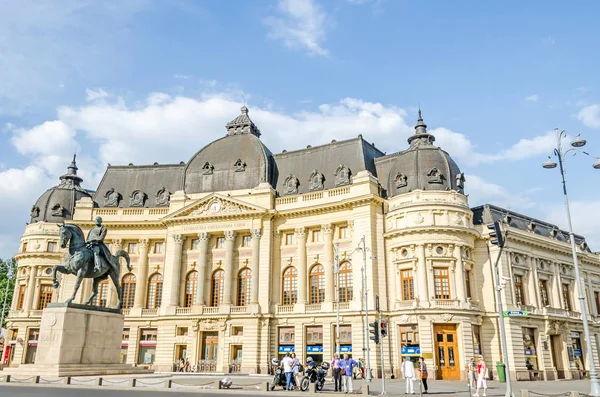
x: 89, y: 259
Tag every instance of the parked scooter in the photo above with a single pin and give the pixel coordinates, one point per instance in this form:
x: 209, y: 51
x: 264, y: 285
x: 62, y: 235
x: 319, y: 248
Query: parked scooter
x: 314, y: 374
x: 279, y: 375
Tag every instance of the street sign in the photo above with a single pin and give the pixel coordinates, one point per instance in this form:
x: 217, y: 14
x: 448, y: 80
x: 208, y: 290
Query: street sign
x: 515, y: 313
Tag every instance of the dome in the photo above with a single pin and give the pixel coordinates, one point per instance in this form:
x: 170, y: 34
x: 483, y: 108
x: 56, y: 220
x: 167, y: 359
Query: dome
x: 424, y: 166
x: 237, y: 161
x: 58, y: 203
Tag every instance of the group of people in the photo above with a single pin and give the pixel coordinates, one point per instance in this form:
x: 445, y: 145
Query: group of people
x: 343, y: 372
x: 183, y: 365
x: 291, y: 370
x: 410, y: 374
x: 477, y: 374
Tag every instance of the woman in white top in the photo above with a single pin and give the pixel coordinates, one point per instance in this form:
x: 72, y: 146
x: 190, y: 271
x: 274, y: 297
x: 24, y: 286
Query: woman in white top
x: 481, y: 375
x: 408, y: 371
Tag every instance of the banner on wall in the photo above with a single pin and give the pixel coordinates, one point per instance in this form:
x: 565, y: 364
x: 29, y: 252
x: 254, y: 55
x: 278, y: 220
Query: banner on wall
x: 411, y: 351
x: 314, y: 349
x: 286, y: 349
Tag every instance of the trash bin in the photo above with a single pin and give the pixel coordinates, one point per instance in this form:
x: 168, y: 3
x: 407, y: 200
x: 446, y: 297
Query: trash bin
x: 501, y: 368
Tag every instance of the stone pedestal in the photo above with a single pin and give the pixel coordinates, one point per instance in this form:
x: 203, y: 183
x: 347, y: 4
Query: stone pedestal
x: 78, y: 340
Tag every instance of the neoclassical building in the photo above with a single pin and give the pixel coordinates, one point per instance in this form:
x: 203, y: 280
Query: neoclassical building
x: 234, y: 259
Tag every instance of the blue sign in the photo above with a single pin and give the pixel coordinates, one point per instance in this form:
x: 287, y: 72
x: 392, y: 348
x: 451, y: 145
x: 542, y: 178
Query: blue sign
x: 346, y: 349
x: 411, y: 351
x: 577, y: 353
x: 314, y: 349
x: 517, y: 313
x: 286, y: 349
x: 530, y: 352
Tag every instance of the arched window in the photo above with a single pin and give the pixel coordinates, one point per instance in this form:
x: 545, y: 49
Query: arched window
x: 345, y: 282
x: 216, y: 297
x: 191, y: 285
x: 290, y: 286
x: 128, y: 288
x: 317, y: 284
x: 243, y: 292
x: 102, y: 297
x: 155, y: 285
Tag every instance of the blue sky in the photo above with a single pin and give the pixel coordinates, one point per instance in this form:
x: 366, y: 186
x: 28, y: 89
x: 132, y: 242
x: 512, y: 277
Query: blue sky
x: 144, y: 81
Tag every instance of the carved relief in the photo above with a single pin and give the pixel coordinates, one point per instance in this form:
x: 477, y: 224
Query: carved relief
x: 216, y: 206
x: 327, y: 228
x: 203, y: 236
x: 230, y: 234
x: 137, y: 198
x: 112, y: 198
x: 435, y: 176
x: 419, y: 219
x: 162, y: 197
x: 239, y: 166
x: 447, y: 317
x: 256, y: 233
x: 554, y: 232
x: 178, y: 238
x: 343, y: 175
x: 401, y: 180
x: 35, y: 212
x: 531, y: 226
x: 460, y: 180
x: 300, y: 232
x: 316, y: 181
x: 58, y: 210
x: 458, y: 220
x: 207, y: 168
x: 291, y: 185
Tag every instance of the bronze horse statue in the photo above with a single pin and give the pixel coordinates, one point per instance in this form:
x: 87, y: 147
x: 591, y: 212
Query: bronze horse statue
x: 80, y: 262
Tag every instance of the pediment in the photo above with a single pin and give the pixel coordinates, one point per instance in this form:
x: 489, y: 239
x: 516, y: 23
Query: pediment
x: 215, y: 205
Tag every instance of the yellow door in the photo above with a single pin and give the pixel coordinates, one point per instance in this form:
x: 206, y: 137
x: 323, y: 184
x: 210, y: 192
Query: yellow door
x: 446, y: 350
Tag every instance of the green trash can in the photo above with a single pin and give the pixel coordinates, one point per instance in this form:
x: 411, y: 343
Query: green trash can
x: 501, y: 368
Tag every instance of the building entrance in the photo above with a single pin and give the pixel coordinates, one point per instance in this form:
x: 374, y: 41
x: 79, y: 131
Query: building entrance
x: 446, y: 351
x: 556, y: 346
x: 210, y: 349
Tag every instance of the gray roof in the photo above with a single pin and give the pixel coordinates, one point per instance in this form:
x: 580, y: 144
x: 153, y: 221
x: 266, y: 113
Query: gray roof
x: 488, y: 213
x: 57, y: 203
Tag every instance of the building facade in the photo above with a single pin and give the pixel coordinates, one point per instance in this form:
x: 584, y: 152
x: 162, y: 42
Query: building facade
x: 241, y: 255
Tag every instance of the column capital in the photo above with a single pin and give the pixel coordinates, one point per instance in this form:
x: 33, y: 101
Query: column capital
x: 230, y: 235
x: 203, y: 236
x: 143, y: 242
x: 327, y: 228
x: 301, y: 232
x: 256, y: 233
x: 178, y: 238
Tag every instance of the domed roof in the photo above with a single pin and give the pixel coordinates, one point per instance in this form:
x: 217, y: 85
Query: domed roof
x: 58, y: 203
x: 424, y: 166
x: 237, y: 161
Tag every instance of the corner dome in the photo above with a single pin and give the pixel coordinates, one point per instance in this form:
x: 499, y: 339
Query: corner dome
x: 57, y: 204
x: 237, y: 161
x: 424, y: 166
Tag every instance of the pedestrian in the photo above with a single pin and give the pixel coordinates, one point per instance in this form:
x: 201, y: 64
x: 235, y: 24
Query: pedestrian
x: 181, y: 364
x: 347, y: 365
x: 423, y: 373
x: 481, y: 377
x: 187, y: 365
x: 408, y: 371
x: 361, y: 365
x: 296, y: 371
x: 471, y: 371
x: 337, y: 372
x: 288, y: 370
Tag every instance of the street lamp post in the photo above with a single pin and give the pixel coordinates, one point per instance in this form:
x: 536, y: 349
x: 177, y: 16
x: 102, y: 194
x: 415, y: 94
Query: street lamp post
x: 576, y: 144
x: 336, y: 270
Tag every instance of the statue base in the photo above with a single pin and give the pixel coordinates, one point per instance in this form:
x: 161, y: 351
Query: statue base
x: 78, y: 340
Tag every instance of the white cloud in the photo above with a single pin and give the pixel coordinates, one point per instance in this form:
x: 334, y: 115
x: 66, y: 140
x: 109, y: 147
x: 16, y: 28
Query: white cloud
x: 93, y: 95
x: 532, y: 98
x: 480, y: 192
x: 590, y: 116
x: 300, y: 24
x: 585, y: 217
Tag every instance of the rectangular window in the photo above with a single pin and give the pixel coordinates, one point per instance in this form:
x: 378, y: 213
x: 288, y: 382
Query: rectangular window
x: 237, y: 331
x: 544, y: 293
x: 597, y: 300
x: 45, y: 296
x: 519, y: 294
x: 468, y: 284
x: 286, y: 336
x: 147, y: 344
x: 343, y: 232
x: 24, y: 247
x: 194, y: 244
x: 220, y: 242
x: 125, y: 334
x: 408, y: 285
x: 409, y: 342
x: 21, y: 296
x: 158, y: 248
x: 182, y: 331
x: 566, y: 297
x: 345, y: 334
x: 52, y: 246
x: 314, y: 335
x: 441, y: 283
x: 246, y: 241
x: 132, y: 248
x: 476, y: 339
x: 290, y: 239
x: 316, y: 236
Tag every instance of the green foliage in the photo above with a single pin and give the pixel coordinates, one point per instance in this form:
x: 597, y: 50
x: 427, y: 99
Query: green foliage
x: 4, y: 266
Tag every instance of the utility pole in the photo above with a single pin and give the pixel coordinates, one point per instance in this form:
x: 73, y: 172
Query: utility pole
x: 381, y: 357
x: 365, y: 290
x: 336, y: 270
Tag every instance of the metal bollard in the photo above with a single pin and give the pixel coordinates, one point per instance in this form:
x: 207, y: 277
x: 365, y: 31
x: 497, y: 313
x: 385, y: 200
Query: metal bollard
x: 524, y: 393
x: 217, y: 384
x: 99, y: 381
x: 168, y: 383
x: 421, y: 387
x: 36, y: 379
x: 365, y: 390
x: 264, y: 386
x: 7, y: 378
x: 132, y: 382
x: 67, y: 380
x: 312, y: 389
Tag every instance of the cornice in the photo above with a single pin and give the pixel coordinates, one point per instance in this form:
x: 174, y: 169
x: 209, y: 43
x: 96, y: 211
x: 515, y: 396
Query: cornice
x: 435, y: 229
x: 35, y: 255
x: 217, y: 218
x: 360, y: 201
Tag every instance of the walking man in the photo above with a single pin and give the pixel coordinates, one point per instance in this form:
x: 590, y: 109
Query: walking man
x: 347, y: 365
x: 288, y: 370
x: 408, y: 371
x: 337, y: 372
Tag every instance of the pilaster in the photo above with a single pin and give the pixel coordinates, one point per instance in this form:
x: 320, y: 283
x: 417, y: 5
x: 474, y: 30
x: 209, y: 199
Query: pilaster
x: 142, y: 274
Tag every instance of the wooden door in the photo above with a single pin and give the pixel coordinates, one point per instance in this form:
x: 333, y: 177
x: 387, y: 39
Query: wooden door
x: 211, y: 346
x: 446, y: 351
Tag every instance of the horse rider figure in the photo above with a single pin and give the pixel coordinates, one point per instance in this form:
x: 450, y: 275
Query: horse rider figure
x: 95, y: 242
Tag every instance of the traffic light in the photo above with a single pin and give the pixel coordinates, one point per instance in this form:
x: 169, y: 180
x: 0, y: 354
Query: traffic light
x: 374, y: 331
x: 496, y: 234
x: 383, y: 327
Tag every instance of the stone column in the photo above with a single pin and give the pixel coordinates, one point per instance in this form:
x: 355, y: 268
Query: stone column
x: 228, y: 289
x: 28, y: 305
x: 142, y: 274
x: 328, y: 262
x: 302, y: 270
x: 111, y: 298
x: 203, y: 238
x: 178, y: 240
x: 254, y: 287
x: 459, y: 274
x: 422, y: 276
